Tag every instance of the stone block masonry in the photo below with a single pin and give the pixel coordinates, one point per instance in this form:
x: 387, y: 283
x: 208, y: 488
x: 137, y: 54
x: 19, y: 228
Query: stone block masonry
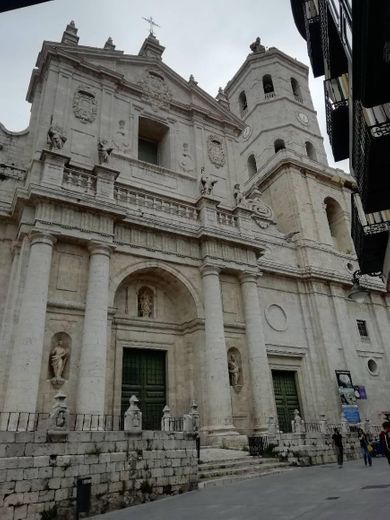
x: 38, y: 476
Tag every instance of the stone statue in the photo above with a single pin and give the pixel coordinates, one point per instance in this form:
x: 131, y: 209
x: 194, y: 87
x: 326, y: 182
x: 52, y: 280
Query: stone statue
x: 239, y: 197
x: 145, y: 303
x: 206, y: 185
x: 121, y: 138
x: 56, y: 137
x: 256, y: 46
x: 186, y: 162
x: 58, y: 359
x: 234, y: 370
x: 104, y: 151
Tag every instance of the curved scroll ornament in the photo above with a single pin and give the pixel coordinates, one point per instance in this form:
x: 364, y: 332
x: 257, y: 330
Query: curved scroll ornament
x: 155, y: 90
x: 263, y: 214
x: 215, y: 150
x: 85, y: 104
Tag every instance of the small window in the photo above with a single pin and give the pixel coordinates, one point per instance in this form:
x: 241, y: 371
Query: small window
x: 296, y: 90
x: 242, y: 101
x: 279, y: 145
x: 153, y: 142
x: 372, y: 366
x: 362, y: 327
x: 310, y: 151
x: 268, y: 86
x: 252, y: 166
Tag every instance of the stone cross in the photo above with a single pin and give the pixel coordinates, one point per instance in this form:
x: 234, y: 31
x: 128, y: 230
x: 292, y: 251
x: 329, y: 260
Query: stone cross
x: 151, y: 22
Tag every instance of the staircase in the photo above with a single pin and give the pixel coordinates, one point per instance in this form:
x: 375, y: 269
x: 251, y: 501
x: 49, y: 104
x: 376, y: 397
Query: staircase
x: 217, y: 468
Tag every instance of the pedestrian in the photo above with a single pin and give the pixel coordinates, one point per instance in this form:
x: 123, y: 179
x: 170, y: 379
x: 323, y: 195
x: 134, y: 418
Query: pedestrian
x: 337, y: 440
x: 365, y: 447
x: 385, y: 439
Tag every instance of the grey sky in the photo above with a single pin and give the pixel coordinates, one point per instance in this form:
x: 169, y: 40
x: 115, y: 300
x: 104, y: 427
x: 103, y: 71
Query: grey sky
x: 209, y: 39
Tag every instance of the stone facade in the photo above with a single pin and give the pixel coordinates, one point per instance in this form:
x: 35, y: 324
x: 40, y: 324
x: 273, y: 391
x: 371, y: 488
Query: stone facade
x: 139, y: 213
x: 37, y: 475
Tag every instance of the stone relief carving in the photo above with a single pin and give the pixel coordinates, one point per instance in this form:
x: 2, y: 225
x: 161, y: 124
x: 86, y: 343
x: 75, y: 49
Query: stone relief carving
x: 186, y: 163
x: 215, y: 150
x: 276, y: 317
x: 104, y: 150
x: 206, y: 184
x: 145, y: 302
x: 58, y: 358
x: 85, y: 104
x: 234, y: 367
x: 58, y: 419
x: 121, y: 139
x: 155, y: 90
x: 56, y: 137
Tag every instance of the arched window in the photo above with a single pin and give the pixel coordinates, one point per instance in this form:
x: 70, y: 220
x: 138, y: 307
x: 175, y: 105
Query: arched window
x: 310, y: 151
x: 296, y: 89
x: 242, y: 102
x: 279, y: 145
x: 145, y: 302
x: 337, y: 225
x: 252, y: 166
x: 268, y: 86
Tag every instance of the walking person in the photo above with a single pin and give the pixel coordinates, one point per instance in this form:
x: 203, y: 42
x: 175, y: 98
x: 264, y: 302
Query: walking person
x: 365, y: 447
x: 385, y: 439
x: 337, y: 440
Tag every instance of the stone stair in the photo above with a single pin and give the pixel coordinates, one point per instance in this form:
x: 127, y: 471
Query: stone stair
x: 222, y: 471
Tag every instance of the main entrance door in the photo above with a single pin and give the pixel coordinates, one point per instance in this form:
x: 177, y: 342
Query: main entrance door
x: 143, y: 375
x: 286, y: 397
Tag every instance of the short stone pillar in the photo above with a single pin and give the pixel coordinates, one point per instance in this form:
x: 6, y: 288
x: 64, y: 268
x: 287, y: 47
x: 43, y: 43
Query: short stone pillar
x: 53, y: 167
x: 344, y: 425
x: 133, y: 417
x: 323, y: 424
x: 105, y: 179
x: 298, y: 424
x: 58, y: 425
x: 166, y: 420
x: 194, y: 413
x: 271, y: 425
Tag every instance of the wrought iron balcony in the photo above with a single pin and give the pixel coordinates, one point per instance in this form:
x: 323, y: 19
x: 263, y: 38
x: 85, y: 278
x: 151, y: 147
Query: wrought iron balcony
x: 337, y: 119
x: 336, y: 62
x: 313, y: 36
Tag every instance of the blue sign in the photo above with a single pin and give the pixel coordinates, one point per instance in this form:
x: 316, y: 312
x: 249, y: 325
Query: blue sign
x: 351, y: 413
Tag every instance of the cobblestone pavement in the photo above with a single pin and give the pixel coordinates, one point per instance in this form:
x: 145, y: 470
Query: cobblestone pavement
x: 314, y: 493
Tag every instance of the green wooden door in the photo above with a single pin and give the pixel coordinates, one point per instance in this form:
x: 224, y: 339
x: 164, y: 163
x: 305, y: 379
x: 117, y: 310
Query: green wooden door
x: 286, y: 397
x: 143, y: 375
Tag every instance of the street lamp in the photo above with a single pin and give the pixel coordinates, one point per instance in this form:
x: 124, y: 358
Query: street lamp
x: 358, y: 293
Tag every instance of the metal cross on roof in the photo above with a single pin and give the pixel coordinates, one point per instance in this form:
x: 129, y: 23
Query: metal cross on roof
x: 151, y: 22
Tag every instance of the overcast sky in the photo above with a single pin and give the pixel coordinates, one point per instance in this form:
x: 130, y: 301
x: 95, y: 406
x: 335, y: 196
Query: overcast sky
x: 209, y: 39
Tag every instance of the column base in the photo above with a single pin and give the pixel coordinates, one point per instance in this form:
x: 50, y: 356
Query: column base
x: 223, y: 437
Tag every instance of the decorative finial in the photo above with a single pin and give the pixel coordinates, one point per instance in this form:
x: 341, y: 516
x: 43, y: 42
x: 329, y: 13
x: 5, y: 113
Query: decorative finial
x: 152, y: 23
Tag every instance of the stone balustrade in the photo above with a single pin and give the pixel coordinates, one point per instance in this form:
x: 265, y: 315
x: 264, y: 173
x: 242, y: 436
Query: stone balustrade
x: 79, y: 180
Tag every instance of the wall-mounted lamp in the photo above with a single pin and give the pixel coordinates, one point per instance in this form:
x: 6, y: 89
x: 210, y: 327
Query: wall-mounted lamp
x: 358, y: 293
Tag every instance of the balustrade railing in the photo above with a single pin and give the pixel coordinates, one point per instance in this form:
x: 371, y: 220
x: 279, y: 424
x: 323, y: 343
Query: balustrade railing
x: 269, y: 95
x: 78, y: 180
x: 227, y: 219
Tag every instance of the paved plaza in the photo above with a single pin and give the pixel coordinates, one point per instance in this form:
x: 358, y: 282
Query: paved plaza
x: 319, y: 492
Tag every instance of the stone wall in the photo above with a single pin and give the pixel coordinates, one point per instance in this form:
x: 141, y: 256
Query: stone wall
x: 38, y: 476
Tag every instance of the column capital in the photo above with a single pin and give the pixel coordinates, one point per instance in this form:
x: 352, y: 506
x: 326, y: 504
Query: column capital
x: 42, y: 237
x: 98, y: 248
x: 249, y: 277
x: 208, y: 269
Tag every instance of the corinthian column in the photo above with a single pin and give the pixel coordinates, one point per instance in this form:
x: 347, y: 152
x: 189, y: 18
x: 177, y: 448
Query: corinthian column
x: 26, y: 359
x: 261, y: 381
x: 215, y: 361
x: 92, y: 373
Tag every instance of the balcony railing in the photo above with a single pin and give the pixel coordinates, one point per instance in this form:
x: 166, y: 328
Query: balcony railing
x: 337, y: 117
x: 269, y: 95
x: 79, y: 180
x: 227, y: 219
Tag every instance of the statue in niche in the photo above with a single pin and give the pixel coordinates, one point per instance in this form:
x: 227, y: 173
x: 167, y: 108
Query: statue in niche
x: 104, y: 151
x: 206, y: 184
x: 186, y: 162
x: 59, y: 355
x: 145, y: 302
x: 234, y: 369
x: 56, y: 137
x: 239, y: 197
x: 121, y: 138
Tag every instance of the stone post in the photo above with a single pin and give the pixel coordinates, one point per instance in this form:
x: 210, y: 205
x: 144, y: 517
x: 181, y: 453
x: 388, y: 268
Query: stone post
x: 105, y: 179
x: 271, y: 428
x: 92, y: 373
x: 166, y: 419
x: 26, y: 359
x: 323, y: 424
x: 133, y: 417
x: 194, y: 413
x: 215, y: 362
x: 298, y: 424
x: 53, y: 167
x: 207, y: 206
x: 261, y: 381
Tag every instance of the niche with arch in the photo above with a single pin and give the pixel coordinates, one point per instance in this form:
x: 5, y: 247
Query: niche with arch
x: 252, y: 166
x: 337, y: 225
x: 296, y: 90
x: 310, y: 151
x: 235, y: 368
x: 59, y: 357
x: 268, y: 85
x: 243, y: 103
x: 145, y: 302
x: 279, y: 145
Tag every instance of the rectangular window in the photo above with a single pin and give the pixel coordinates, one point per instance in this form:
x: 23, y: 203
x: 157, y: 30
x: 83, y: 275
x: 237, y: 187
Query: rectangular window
x: 153, y: 142
x: 148, y: 151
x: 362, y: 328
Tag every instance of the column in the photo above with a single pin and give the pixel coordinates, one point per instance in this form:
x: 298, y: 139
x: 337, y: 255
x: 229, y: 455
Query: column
x: 261, y: 381
x: 92, y: 373
x: 26, y: 359
x: 215, y: 360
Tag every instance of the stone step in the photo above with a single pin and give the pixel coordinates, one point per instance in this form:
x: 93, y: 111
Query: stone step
x: 230, y: 479
x: 248, y: 461
x: 240, y: 470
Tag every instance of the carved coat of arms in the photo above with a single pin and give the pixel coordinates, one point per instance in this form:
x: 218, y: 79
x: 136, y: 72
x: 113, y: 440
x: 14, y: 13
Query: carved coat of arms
x: 215, y: 150
x: 85, y: 104
x: 155, y: 90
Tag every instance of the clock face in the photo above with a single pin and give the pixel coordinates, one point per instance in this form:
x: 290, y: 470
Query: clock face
x: 302, y: 118
x: 246, y: 133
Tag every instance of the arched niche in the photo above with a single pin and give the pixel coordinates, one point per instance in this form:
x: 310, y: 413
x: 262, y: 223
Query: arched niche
x: 235, y: 368
x: 242, y: 102
x: 310, y: 151
x: 279, y: 144
x: 268, y: 85
x: 59, y: 358
x: 252, y: 166
x: 338, y: 226
x: 296, y: 90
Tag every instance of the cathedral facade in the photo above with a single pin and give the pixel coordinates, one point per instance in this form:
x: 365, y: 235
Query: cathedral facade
x: 161, y: 242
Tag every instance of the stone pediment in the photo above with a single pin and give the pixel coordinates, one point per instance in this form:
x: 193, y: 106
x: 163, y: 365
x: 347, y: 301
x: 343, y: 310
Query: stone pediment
x: 158, y: 82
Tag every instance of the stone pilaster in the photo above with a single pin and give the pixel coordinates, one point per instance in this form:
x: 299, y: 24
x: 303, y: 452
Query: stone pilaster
x: 26, y: 359
x: 219, y: 420
x: 261, y: 381
x: 53, y: 167
x: 92, y: 373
